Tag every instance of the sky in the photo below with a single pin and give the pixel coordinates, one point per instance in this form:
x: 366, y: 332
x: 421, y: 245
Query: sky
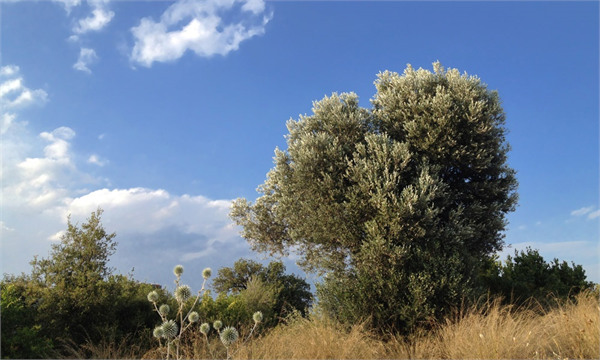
x: 162, y: 113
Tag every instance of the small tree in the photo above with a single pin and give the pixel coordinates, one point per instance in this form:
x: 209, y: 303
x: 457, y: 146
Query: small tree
x: 71, y: 279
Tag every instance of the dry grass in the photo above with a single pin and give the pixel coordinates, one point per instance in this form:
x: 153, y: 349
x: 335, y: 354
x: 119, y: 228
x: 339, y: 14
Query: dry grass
x: 489, y: 331
x: 314, y: 338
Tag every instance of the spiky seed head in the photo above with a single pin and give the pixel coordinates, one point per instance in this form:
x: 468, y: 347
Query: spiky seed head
x: 178, y: 270
x: 158, y: 332
x: 229, y: 335
x: 257, y: 317
x: 170, y: 329
x: 204, y: 328
x: 218, y: 324
x: 152, y: 296
x: 164, y: 309
x: 206, y: 273
x: 183, y: 292
x: 194, y: 317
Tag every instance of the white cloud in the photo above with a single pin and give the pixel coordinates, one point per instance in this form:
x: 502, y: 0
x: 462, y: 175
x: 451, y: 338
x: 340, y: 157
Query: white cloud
x: 95, y: 159
x: 594, y: 215
x: 86, y: 57
x: 99, y: 18
x: 9, y: 70
x: 69, y: 4
x: 582, y: 211
x: 205, y: 33
x: 255, y: 6
x: 14, y: 96
x: 41, y: 184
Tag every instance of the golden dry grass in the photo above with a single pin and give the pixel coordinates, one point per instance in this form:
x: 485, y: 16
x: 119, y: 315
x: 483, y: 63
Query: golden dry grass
x: 489, y: 331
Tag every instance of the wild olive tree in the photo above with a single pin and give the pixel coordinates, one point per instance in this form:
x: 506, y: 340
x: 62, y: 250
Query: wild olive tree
x: 397, y: 204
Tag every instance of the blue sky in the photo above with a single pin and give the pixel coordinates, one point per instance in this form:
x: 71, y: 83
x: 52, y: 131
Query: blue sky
x: 162, y: 113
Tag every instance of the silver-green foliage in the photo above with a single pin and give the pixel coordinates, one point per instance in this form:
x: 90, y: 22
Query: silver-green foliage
x: 397, y: 203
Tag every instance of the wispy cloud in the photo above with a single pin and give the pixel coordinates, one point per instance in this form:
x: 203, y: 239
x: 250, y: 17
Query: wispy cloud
x: 197, y: 26
x: 95, y: 159
x: 594, y: 214
x: 589, y: 211
x: 86, y: 57
x: 582, y: 211
x: 15, y: 96
x: 69, y: 4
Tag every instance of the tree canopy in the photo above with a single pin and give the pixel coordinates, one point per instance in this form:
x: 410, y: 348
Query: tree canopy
x: 290, y: 291
x: 398, y: 204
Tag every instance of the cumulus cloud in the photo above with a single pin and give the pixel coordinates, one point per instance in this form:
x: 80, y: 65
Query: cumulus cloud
x: 86, y: 57
x: 199, y: 27
x: 43, y: 182
x: 99, y: 18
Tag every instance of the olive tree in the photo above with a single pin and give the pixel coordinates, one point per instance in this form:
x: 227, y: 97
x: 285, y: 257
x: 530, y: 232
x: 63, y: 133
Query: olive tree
x: 396, y: 205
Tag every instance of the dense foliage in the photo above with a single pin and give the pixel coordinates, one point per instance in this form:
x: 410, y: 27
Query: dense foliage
x: 527, y: 275
x: 290, y: 291
x: 398, y: 204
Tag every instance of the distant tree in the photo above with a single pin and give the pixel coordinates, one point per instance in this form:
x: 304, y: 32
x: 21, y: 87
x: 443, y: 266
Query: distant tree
x: 291, y: 292
x: 398, y: 204
x: 527, y: 275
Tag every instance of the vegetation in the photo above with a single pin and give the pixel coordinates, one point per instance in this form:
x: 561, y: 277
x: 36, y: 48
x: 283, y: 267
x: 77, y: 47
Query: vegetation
x: 399, y: 204
x: 400, y: 208
x: 528, y: 276
x: 290, y: 292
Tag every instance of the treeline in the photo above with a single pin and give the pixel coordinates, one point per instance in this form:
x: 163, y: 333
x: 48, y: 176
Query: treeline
x: 72, y: 298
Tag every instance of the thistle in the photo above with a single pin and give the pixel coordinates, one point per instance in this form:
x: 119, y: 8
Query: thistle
x: 182, y: 293
x: 206, y: 273
x: 229, y: 335
x: 158, y: 332
x: 170, y: 329
x: 257, y: 317
x: 178, y: 270
x: 218, y: 324
x: 193, y: 317
x: 204, y: 328
x: 152, y: 296
x: 164, y: 309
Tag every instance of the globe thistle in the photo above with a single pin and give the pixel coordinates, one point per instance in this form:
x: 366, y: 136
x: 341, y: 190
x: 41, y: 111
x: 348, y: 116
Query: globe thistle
x: 164, y: 309
x: 183, y: 292
x: 204, y: 328
x: 152, y: 296
x: 170, y: 329
x: 257, y: 317
x: 218, y: 324
x: 206, y: 273
x: 178, y: 270
x: 229, y: 335
x: 194, y: 316
x: 158, y: 332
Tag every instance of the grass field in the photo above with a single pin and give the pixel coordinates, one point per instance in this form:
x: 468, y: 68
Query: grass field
x: 490, y: 331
